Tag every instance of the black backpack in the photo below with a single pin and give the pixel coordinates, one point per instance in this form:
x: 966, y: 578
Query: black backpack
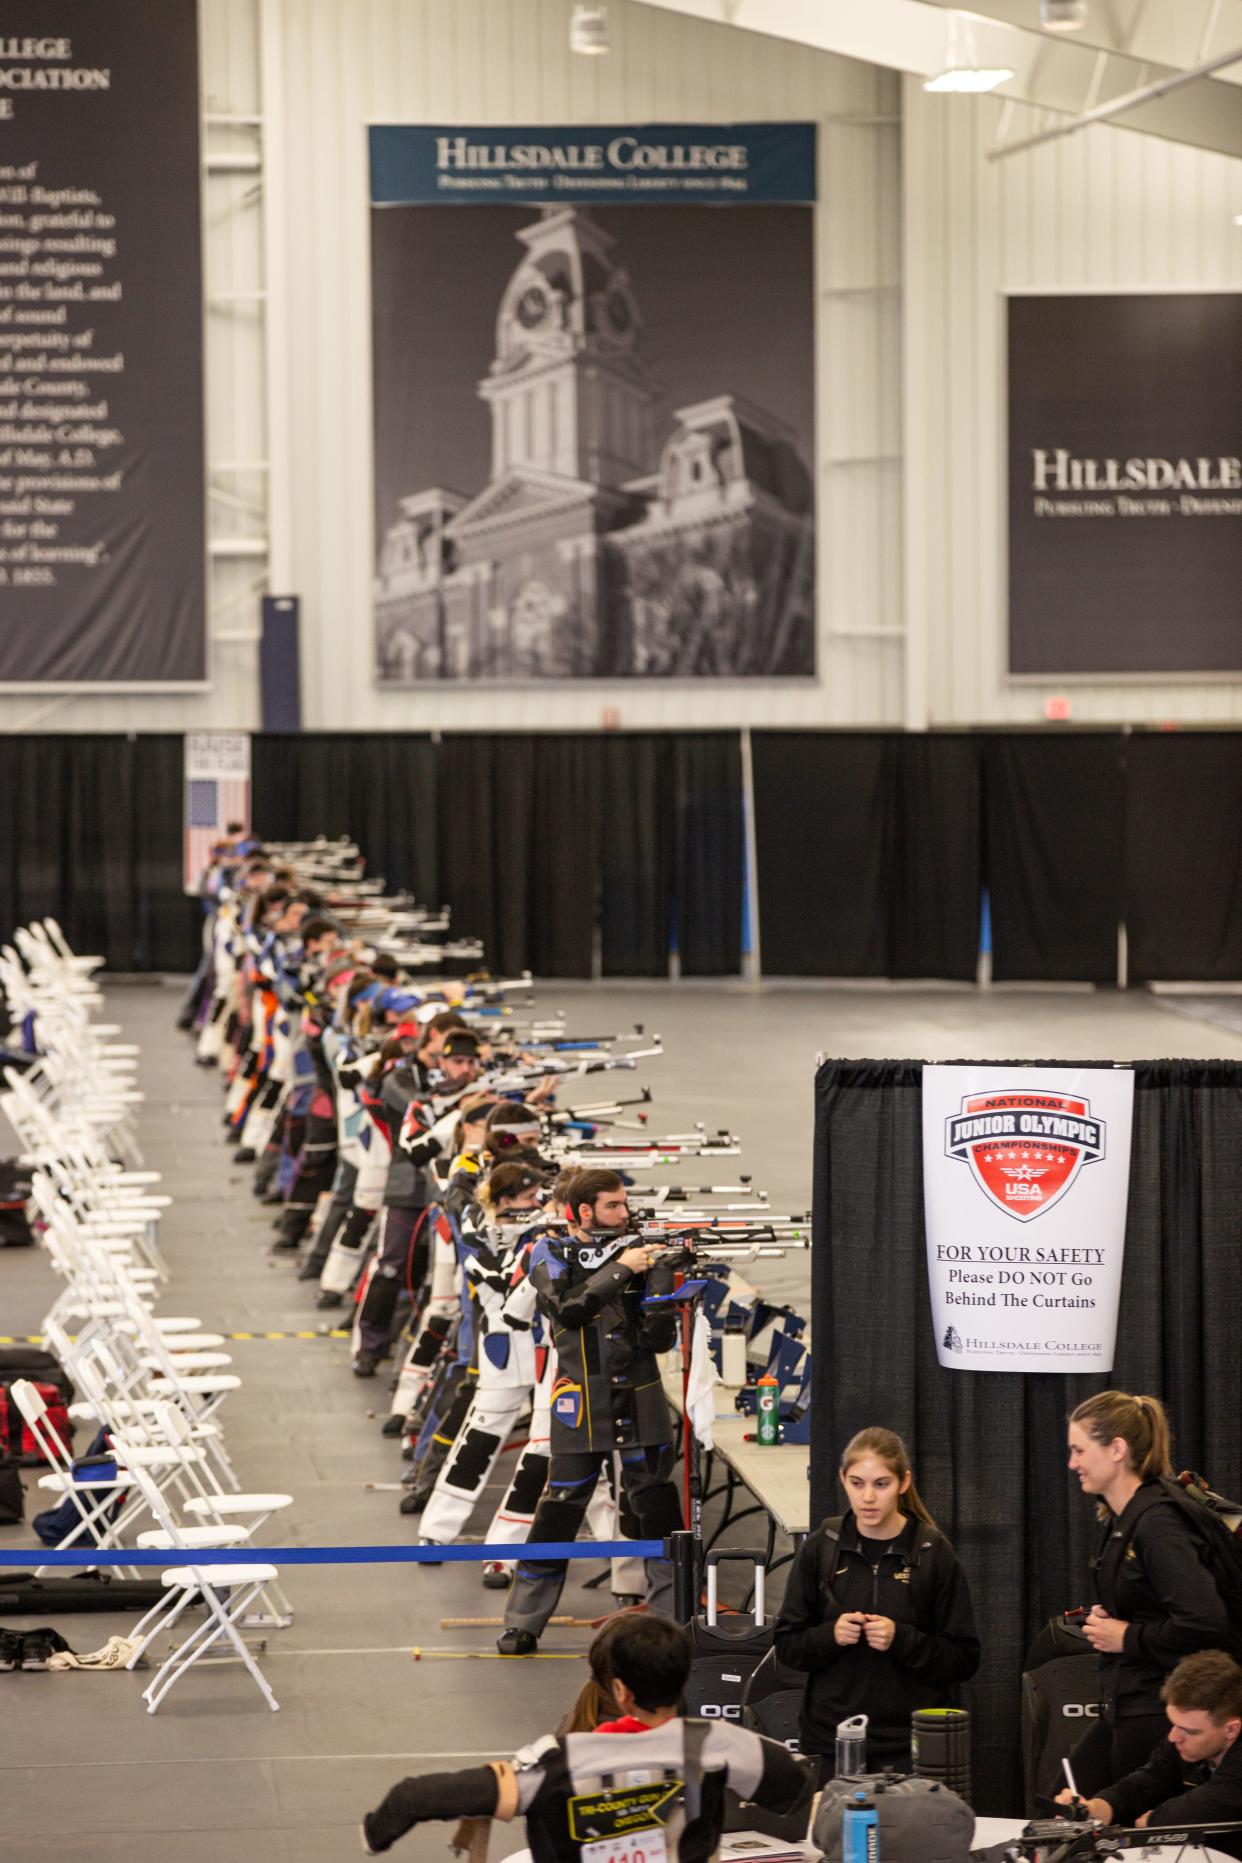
x: 1214, y: 1522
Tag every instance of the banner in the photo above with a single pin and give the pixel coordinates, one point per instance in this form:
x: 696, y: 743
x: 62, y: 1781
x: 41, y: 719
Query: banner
x: 101, y: 417
x: 593, y: 403
x: 1026, y: 1175
x: 217, y: 795
x: 1125, y: 484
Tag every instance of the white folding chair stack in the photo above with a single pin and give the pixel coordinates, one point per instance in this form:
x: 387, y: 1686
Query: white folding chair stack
x: 154, y: 1383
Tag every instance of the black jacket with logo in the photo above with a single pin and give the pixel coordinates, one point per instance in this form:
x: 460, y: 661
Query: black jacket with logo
x: 916, y: 1581
x: 607, y: 1393
x: 1150, y: 1573
x: 1176, y: 1793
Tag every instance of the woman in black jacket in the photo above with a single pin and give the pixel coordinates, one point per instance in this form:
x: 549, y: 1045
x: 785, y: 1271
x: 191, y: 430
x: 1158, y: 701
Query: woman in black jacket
x: 1157, y: 1602
x: 876, y: 1611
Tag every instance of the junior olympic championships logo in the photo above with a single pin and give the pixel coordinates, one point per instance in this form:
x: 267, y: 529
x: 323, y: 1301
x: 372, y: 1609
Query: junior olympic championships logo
x: 1025, y: 1148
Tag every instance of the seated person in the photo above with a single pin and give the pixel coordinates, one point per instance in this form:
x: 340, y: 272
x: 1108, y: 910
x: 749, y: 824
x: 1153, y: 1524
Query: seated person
x: 1195, y: 1775
x: 649, y: 1661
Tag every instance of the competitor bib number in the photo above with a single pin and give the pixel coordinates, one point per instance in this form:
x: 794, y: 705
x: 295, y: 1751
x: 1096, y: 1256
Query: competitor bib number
x: 649, y: 1846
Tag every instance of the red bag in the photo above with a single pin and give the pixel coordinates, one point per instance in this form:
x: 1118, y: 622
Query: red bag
x: 16, y: 1441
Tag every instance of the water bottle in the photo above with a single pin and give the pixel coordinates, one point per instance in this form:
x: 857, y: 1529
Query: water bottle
x: 733, y: 1356
x: 860, y: 1831
x: 851, y: 1762
x: 768, y: 1410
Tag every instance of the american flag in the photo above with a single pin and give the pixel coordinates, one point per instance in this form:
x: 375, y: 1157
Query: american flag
x: 212, y: 801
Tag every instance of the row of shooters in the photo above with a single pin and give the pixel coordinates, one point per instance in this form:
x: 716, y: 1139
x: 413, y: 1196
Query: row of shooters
x: 493, y: 1238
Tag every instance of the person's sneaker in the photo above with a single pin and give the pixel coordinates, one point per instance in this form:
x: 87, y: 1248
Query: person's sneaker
x: 10, y: 1650
x: 246, y: 1154
x: 495, y: 1575
x: 425, y: 1542
x: 366, y: 1363
x: 625, y: 1600
x: 324, y: 1300
x: 517, y: 1643
x: 393, y: 1425
x: 415, y: 1501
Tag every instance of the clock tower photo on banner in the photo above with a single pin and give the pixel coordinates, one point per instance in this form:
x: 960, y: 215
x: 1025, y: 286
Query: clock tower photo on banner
x: 593, y: 394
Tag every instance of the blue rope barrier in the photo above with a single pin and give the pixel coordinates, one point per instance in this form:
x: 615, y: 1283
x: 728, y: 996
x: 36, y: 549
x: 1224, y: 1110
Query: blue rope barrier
x: 338, y: 1555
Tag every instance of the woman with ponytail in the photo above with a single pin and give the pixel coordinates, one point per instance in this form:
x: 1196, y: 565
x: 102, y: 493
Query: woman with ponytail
x: 1157, y: 1599
x: 877, y: 1610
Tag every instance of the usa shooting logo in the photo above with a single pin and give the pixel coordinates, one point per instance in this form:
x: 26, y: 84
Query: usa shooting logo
x: 1025, y: 1148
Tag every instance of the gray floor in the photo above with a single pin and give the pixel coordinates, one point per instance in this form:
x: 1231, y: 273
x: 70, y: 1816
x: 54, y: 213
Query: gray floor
x: 215, y: 1775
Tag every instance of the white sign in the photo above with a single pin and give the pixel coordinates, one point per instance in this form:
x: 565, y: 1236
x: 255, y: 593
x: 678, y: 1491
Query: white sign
x: 1026, y: 1174
x: 223, y: 755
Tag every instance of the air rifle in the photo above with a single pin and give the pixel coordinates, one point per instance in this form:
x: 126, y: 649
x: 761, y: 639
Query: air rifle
x: 518, y: 1079
x: 1065, y: 1840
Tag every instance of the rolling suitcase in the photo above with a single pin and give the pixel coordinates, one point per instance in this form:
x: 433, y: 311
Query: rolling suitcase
x: 725, y: 1653
x: 1060, y: 1700
x: 734, y: 1676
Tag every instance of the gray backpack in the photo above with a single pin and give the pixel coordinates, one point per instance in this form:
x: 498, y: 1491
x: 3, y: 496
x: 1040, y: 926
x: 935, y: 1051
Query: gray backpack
x: 921, y: 1821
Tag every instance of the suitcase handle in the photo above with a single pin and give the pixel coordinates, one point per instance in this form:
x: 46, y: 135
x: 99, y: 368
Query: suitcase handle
x: 753, y: 1560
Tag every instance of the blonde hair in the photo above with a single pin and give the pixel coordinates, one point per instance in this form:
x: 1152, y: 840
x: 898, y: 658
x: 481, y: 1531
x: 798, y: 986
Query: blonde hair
x: 1142, y: 1423
x: 890, y: 1449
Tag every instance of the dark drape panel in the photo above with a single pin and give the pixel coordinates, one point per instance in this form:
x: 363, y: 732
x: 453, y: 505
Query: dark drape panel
x: 868, y: 854
x: 937, y: 857
x: 1054, y: 822
x: 91, y: 835
x: 167, y: 925
x: 989, y: 1448
x: 707, y: 779
x: 380, y: 790
x: 518, y: 847
x: 1183, y: 852
x: 823, y: 833
x: 636, y: 855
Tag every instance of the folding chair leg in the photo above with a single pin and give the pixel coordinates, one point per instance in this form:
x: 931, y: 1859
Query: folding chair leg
x: 221, y: 1624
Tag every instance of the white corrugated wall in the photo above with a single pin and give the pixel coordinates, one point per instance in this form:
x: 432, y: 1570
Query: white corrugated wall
x: 332, y: 67
x: 1102, y: 210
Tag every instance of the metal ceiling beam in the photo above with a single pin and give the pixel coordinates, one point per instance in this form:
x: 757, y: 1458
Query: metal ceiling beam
x: 1173, y: 36
x: 1050, y: 70
x: 1121, y: 106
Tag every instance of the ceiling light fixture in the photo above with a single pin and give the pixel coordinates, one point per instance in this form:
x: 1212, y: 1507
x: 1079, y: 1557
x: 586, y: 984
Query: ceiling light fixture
x: 962, y: 71
x: 1062, y: 15
x: 588, y: 30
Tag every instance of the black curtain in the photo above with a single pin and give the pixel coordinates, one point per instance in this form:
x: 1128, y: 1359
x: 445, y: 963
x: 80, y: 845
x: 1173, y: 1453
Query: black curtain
x: 91, y: 836
x: 528, y: 837
x: 824, y: 821
x: 380, y: 790
x: 1183, y: 854
x: 989, y: 1448
x: 709, y: 866
x: 518, y: 841
x: 937, y: 873
x: 868, y: 850
x: 1054, y: 812
x: 636, y: 855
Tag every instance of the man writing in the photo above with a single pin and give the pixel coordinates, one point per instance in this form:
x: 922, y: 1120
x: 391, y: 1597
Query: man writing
x: 1195, y: 1776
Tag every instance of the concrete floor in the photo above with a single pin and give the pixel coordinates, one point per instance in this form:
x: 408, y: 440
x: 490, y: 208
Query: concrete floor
x: 86, y: 1774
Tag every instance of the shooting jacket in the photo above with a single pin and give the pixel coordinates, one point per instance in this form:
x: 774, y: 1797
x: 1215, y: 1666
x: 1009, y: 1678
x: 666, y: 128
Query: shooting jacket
x: 607, y: 1392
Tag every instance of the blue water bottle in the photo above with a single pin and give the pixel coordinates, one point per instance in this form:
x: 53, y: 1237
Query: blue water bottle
x: 860, y: 1831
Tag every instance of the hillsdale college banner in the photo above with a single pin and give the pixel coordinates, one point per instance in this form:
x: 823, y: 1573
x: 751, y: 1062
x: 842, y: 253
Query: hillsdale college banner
x: 1125, y: 484
x: 594, y: 393
x: 101, y: 421
x: 1026, y: 1174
